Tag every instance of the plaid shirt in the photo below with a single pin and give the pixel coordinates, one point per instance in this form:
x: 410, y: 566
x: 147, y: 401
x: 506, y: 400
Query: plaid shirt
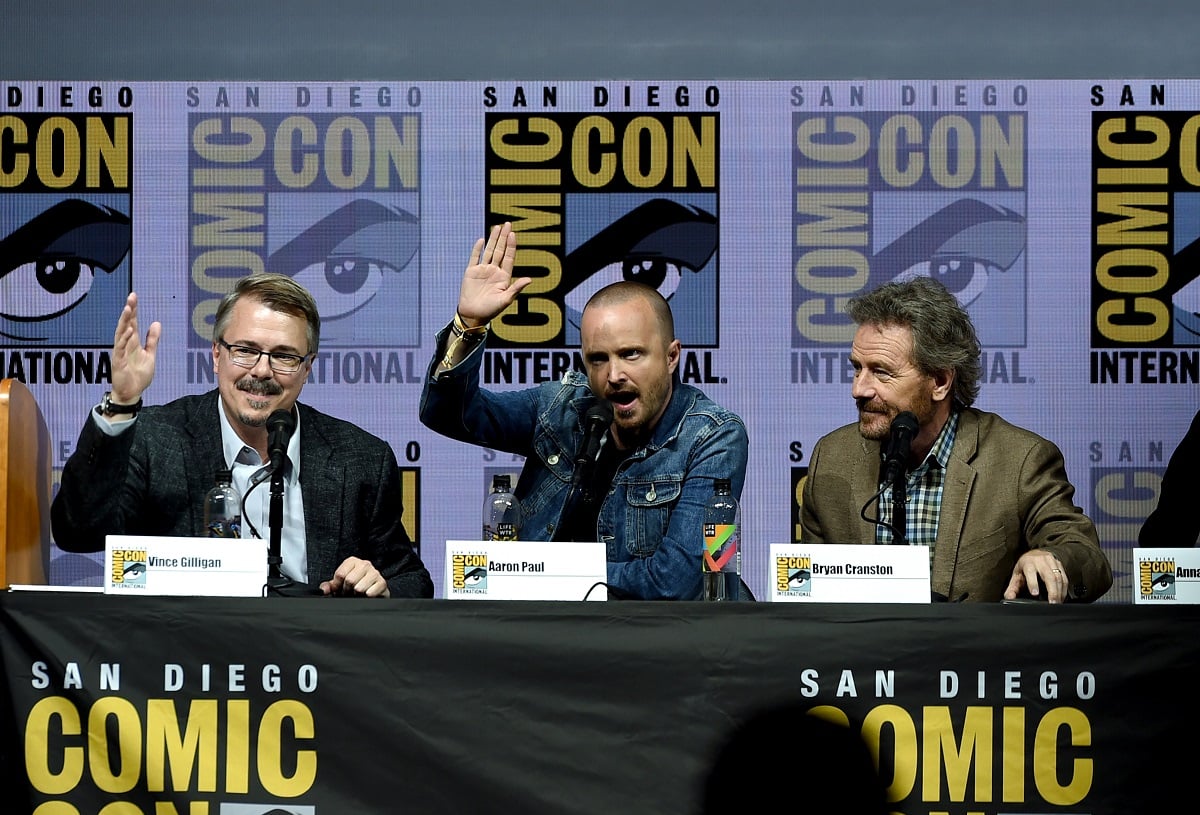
x: 924, y: 488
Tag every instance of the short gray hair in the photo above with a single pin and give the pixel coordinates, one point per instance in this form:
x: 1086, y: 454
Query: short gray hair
x: 944, y: 337
x: 279, y: 293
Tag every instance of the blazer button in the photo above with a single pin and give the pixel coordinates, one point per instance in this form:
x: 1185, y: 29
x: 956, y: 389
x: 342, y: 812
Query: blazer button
x: 651, y: 494
x: 553, y: 459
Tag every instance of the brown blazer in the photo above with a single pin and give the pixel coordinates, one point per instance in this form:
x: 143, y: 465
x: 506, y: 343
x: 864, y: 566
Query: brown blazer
x: 1006, y: 491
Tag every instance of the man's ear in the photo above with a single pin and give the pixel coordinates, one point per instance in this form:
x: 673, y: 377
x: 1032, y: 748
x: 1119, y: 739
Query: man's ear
x: 943, y: 385
x: 673, y: 351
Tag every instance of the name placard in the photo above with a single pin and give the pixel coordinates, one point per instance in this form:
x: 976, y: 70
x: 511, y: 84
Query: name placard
x: 525, y: 570
x: 196, y: 567
x: 1166, y: 575
x: 848, y: 573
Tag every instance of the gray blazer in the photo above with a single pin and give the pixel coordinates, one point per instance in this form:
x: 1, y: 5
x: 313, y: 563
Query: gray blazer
x: 1006, y: 491
x: 152, y: 479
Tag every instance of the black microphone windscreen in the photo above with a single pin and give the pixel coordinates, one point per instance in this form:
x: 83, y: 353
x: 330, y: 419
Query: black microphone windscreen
x: 282, y: 421
x: 602, y: 411
x: 906, y: 422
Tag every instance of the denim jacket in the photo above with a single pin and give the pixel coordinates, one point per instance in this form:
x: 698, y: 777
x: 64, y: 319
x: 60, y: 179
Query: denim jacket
x: 651, y: 519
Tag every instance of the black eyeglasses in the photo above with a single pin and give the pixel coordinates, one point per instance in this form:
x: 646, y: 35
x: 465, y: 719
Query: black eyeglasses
x: 247, y: 357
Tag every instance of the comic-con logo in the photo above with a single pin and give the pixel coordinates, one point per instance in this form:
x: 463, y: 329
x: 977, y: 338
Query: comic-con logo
x: 1145, y: 246
x: 793, y: 575
x: 128, y: 569
x: 65, y: 235
x: 601, y: 197
x: 468, y: 573
x: 885, y: 196
x: 1156, y: 579
x: 410, y: 494
x: 799, y: 475
x: 332, y: 200
x: 1121, y: 499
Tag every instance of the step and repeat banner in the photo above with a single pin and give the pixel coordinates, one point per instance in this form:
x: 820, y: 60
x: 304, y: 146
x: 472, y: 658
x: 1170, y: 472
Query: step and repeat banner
x: 1065, y: 215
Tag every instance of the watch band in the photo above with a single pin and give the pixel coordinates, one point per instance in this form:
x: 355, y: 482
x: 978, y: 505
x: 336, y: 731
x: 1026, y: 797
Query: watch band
x: 108, y: 407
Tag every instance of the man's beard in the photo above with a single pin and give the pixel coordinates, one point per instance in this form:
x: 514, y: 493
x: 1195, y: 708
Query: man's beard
x: 921, y: 407
x: 257, y: 387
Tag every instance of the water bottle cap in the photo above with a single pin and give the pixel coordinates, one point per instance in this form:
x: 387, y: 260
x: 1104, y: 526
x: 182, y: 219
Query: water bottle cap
x: 501, y: 483
x: 722, y: 485
x: 223, y: 475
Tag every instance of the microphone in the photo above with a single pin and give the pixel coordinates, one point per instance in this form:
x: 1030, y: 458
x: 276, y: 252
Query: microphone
x: 595, y: 424
x: 280, y: 426
x: 904, y: 429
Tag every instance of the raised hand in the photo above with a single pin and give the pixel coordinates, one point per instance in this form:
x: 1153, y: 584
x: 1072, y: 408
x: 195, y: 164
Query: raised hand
x: 132, y: 362
x: 488, y: 287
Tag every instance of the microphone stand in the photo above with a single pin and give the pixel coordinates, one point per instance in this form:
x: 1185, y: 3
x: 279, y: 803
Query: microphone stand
x: 279, y: 584
x: 580, y: 492
x: 899, y: 517
x: 567, y: 510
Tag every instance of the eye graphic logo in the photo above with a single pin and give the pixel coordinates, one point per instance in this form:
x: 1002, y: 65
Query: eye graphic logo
x: 354, y: 261
x: 655, y: 243
x: 476, y: 579
x: 58, y: 268
x: 959, y: 245
x: 970, y: 246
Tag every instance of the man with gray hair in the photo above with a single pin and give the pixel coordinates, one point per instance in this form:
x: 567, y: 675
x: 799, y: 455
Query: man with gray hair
x: 991, y: 500
x: 140, y: 471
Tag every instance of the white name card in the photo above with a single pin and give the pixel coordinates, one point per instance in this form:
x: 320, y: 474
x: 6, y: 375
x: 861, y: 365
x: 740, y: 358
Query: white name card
x: 848, y: 573
x: 1166, y: 575
x: 525, y: 570
x: 196, y: 567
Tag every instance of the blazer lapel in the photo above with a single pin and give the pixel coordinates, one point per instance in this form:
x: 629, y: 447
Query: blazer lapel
x: 321, y: 483
x: 204, y: 454
x: 864, y: 483
x: 956, y: 494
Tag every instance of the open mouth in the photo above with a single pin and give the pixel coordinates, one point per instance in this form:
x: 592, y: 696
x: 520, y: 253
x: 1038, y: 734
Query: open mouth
x: 623, y: 401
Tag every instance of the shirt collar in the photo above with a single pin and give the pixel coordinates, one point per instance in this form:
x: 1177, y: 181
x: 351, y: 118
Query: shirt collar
x: 944, y: 443
x: 236, y: 451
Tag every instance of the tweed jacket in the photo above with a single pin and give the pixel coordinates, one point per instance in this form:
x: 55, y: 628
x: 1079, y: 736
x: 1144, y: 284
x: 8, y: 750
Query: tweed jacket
x: 152, y: 479
x: 1006, y: 491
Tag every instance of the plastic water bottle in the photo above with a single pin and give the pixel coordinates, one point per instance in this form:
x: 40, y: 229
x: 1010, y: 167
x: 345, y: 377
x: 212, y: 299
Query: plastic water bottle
x: 501, y: 511
x: 222, y: 508
x: 721, y: 563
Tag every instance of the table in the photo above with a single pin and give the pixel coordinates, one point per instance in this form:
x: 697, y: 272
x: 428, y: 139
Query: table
x: 438, y: 706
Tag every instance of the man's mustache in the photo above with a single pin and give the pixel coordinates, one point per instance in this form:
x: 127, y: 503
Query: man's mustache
x: 259, y: 387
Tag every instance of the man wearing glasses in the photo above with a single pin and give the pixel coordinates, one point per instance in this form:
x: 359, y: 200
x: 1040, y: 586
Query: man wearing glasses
x: 146, y: 471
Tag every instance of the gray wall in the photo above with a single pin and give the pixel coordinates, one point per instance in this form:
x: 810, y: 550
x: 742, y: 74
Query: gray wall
x: 533, y: 39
